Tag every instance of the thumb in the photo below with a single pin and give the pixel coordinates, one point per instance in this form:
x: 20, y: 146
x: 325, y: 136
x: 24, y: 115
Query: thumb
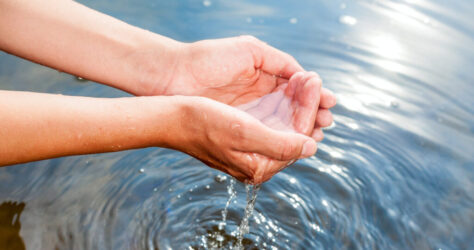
x: 278, y: 145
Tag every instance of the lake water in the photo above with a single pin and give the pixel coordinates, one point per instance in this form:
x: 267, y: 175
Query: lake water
x: 396, y: 171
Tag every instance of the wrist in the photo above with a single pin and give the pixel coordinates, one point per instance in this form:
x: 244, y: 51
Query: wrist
x: 154, y: 121
x: 156, y: 59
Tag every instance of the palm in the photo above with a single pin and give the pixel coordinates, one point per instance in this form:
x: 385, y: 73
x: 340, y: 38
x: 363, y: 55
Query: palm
x: 291, y: 107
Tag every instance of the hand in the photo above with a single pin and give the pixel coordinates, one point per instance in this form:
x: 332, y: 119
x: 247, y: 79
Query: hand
x: 234, y: 142
x: 236, y: 71
x: 293, y: 106
x: 231, y: 70
x: 257, y: 144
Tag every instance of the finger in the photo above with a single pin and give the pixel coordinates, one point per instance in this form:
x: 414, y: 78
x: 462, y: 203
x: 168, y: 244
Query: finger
x: 324, y: 118
x: 275, y: 144
x: 262, y: 167
x: 273, y: 168
x: 293, y: 83
x: 227, y: 168
x: 307, y: 98
x: 272, y: 60
x: 328, y: 99
x: 317, y: 134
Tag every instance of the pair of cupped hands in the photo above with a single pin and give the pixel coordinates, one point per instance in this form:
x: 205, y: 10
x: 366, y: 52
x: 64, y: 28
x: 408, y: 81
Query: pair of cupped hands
x: 257, y: 110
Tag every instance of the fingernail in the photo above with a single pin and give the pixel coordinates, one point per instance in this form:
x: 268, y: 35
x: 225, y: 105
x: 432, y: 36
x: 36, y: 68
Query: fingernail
x: 309, y: 148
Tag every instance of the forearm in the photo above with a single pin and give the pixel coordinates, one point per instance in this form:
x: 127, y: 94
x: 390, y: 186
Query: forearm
x: 39, y: 126
x: 73, y: 38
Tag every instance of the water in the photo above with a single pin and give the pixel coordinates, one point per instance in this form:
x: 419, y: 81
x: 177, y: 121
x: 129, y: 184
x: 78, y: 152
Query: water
x: 252, y: 191
x: 232, y: 194
x: 394, y: 172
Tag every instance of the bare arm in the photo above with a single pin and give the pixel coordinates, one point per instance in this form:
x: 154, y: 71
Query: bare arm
x: 39, y: 126
x: 70, y: 37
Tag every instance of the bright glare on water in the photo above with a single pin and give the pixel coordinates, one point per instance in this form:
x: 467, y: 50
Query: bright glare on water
x: 395, y: 171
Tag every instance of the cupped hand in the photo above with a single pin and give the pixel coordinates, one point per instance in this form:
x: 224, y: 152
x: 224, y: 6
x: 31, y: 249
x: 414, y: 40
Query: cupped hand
x: 235, y: 142
x: 238, y: 70
x: 231, y: 70
x: 259, y: 138
x: 294, y: 106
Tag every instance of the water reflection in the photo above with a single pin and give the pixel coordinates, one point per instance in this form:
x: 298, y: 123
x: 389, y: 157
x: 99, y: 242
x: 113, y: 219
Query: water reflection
x: 395, y: 172
x: 10, y: 225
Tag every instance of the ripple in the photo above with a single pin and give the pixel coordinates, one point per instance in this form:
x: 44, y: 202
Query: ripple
x: 393, y: 172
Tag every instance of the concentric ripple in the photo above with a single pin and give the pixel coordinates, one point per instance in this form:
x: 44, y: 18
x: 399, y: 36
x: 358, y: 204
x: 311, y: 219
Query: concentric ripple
x: 395, y: 171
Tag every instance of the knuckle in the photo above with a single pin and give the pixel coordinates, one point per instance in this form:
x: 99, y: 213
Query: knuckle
x: 239, y: 131
x: 318, y: 82
x: 290, y: 57
x: 249, y: 38
x: 286, y: 151
x: 251, y: 41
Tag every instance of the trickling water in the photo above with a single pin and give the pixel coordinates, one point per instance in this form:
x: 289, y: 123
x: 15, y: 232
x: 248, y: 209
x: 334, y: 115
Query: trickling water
x: 232, y: 193
x: 252, y: 191
x: 394, y: 172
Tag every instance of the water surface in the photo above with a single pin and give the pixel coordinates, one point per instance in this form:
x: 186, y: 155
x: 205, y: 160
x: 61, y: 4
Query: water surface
x: 394, y: 172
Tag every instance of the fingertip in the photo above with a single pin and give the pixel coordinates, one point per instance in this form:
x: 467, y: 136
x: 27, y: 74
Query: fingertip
x: 309, y: 148
x: 324, y: 118
x: 317, y: 134
x: 328, y: 99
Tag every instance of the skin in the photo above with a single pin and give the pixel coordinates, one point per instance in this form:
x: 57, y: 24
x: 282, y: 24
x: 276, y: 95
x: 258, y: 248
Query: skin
x: 196, y: 86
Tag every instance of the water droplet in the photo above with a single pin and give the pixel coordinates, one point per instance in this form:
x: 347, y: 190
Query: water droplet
x: 80, y: 79
x: 220, y: 238
x: 155, y: 189
x: 207, y: 3
x: 348, y: 20
x: 293, y: 20
x: 220, y: 178
x: 141, y: 170
x: 208, y: 187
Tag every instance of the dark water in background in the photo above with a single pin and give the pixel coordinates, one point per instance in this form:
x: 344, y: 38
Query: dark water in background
x: 395, y: 172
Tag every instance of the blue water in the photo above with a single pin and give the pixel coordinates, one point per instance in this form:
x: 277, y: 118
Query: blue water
x: 394, y: 172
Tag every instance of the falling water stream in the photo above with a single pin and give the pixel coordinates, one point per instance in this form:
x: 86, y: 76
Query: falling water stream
x: 396, y: 171
x: 252, y: 191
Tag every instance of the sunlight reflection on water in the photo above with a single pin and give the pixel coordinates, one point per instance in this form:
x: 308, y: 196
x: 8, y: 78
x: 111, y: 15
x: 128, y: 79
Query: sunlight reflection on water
x: 394, y: 172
